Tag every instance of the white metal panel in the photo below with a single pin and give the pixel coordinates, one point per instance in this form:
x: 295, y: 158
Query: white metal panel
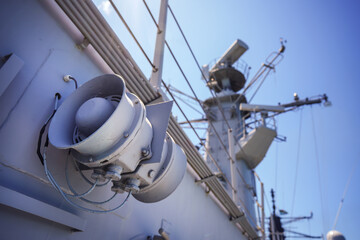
x: 255, y: 145
x: 9, y: 70
x: 30, y: 205
x: 260, y: 108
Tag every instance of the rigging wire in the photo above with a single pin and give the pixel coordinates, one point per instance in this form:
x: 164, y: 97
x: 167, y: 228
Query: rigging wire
x: 154, y: 67
x: 276, y: 165
x: 214, y: 95
x: 172, y: 88
x: 201, y: 105
x: 211, y: 157
x: 297, y: 164
x: 189, y: 105
x: 132, y: 34
x: 208, y: 152
x: 344, y: 194
x: 177, y: 63
x: 192, y: 90
x: 257, y: 89
x: 267, y: 202
x: 196, y: 61
x: 194, y: 130
x: 318, y: 170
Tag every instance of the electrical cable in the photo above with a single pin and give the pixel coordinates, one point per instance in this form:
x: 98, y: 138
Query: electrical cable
x: 72, y: 78
x: 42, y: 130
x: 64, y: 195
x: 68, y: 182
x: 97, y: 185
x: 53, y: 182
x: 344, y: 194
x: 85, y: 178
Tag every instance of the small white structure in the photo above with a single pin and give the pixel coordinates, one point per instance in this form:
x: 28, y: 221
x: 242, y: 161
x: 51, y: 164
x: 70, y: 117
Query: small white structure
x: 334, y: 235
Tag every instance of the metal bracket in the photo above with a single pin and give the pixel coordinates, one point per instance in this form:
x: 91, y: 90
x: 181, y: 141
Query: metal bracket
x: 85, y: 42
x: 206, y: 179
x: 158, y: 115
x: 237, y: 219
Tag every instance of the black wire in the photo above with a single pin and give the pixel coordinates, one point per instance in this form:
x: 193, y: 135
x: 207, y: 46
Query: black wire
x: 41, y: 133
x: 76, y: 84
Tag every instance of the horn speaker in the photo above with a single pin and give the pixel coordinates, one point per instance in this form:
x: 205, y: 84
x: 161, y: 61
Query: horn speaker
x: 110, y: 131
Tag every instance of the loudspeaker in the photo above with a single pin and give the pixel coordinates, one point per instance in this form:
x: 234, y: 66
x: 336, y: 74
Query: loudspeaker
x: 111, y: 131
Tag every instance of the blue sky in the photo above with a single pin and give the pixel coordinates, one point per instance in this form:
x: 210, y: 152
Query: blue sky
x: 322, y: 52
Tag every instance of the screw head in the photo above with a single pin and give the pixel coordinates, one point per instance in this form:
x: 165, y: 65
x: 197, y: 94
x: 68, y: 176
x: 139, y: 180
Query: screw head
x: 126, y: 134
x: 145, y: 152
x: 151, y: 173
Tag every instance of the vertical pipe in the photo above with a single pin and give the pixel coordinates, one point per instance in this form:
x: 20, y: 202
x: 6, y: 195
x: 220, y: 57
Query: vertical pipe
x: 232, y: 164
x: 272, y: 225
x: 156, y: 75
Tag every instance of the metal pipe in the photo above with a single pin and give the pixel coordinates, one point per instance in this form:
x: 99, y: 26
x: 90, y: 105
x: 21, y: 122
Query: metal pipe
x: 111, y: 52
x: 116, y: 42
x: 156, y: 76
x: 75, y: 16
x: 232, y: 164
x: 103, y: 40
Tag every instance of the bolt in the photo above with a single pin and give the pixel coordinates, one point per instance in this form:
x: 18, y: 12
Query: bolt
x: 132, y: 184
x: 113, y: 176
x: 117, y: 187
x: 113, y: 172
x: 126, y: 134
x: 151, y: 173
x: 136, y: 102
x: 145, y: 152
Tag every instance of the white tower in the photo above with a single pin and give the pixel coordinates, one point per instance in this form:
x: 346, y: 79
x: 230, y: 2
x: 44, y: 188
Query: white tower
x: 235, y: 148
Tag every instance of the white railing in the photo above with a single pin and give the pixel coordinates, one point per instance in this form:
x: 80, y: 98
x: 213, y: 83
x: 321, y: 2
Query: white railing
x: 253, y: 120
